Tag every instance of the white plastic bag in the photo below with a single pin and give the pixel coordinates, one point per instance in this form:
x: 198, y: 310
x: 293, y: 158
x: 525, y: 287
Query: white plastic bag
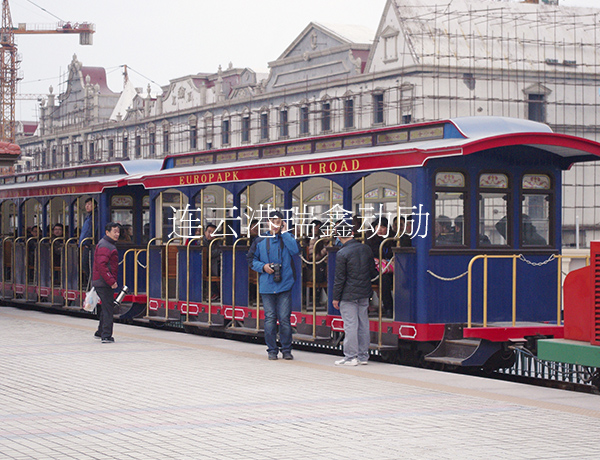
x: 91, y: 300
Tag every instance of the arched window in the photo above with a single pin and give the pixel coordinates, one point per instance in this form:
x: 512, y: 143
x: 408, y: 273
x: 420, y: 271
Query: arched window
x: 450, y: 226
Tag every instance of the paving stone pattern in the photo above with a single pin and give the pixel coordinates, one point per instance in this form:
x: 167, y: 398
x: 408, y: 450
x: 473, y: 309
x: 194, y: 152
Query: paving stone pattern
x: 163, y: 395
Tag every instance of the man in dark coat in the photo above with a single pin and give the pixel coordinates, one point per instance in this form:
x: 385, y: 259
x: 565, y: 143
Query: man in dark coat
x: 354, y: 269
x: 104, y: 279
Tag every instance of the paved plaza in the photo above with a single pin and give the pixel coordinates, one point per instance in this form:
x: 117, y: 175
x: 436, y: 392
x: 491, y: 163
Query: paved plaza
x: 164, y: 395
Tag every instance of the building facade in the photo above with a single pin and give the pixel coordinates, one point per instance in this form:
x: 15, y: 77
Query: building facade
x: 425, y: 62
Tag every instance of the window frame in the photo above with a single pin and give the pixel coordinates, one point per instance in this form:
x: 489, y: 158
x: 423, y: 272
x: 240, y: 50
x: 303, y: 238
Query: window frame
x: 304, y: 120
x: 264, y: 126
x: 466, y: 209
x: 326, y: 116
x: 378, y: 108
x: 225, y: 131
x: 550, y: 193
x: 349, y: 113
x: 509, y: 191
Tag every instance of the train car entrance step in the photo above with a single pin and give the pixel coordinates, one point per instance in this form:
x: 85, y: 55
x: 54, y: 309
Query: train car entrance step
x: 130, y: 311
x: 459, y: 351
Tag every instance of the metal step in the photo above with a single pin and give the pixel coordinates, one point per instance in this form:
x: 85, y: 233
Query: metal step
x: 243, y: 330
x: 458, y: 351
x: 204, y: 325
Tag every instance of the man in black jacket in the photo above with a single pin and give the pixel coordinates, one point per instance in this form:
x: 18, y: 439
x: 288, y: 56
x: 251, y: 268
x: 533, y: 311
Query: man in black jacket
x: 354, y: 269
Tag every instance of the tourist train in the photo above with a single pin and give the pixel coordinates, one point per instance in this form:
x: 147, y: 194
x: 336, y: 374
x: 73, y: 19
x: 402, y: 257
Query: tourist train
x: 473, y: 237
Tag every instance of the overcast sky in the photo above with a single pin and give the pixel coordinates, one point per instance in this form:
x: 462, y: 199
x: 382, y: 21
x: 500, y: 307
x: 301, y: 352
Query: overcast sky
x: 162, y: 40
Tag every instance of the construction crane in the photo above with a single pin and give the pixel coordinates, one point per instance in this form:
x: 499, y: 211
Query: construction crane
x: 9, y: 65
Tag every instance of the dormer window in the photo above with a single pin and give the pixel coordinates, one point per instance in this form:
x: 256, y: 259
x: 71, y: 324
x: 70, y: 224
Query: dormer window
x: 390, y: 44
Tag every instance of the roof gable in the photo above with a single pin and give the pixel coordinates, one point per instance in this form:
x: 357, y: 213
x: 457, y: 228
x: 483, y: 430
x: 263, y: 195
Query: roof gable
x: 319, y: 37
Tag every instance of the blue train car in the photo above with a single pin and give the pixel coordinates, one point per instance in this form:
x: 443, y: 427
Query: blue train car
x: 471, y: 245
x: 483, y: 196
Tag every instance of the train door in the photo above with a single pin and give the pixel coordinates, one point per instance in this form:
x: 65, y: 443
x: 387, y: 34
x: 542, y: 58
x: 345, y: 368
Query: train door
x: 213, y: 231
x: 256, y: 201
x: 382, y: 202
x: 162, y: 282
x: 320, y: 204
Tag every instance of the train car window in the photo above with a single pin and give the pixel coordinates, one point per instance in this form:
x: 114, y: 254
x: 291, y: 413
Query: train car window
x: 536, y: 210
x: 9, y: 218
x: 449, y: 223
x: 170, y: 207
x: 121, y: 211
x: 145, y: 219
x: 494, y: 197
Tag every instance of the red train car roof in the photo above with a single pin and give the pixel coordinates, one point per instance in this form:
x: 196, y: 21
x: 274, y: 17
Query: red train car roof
x: 422, y: 142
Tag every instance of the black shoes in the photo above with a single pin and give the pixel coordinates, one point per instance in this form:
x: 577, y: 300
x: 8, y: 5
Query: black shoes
x: 108, y: 340
x: 286, y: 355
x: 97, y: 335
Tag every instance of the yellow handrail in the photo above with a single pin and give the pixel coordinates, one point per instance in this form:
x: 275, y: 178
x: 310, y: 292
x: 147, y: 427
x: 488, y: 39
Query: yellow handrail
x: 4, y: 240
x: 14, y: 258
x: 74, y: 238
x: 135, y: 270
x: 233, y: 279
x: 167, y: 276
x: 90, y: 269
x: 209, y: 269
x: 39, y: 248
x: 26, y: 263
x: 314, y: 280
x: 60, y: 238
x: 514, y: 258
x: 380, y: 293
x: 148, y: 274
x: 134, y: 250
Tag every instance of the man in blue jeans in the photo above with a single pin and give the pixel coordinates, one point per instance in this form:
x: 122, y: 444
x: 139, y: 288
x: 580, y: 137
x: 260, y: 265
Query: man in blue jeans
x: 354, y: 269
x: 273, y: 259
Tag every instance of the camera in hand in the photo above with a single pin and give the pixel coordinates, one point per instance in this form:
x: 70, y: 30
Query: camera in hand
x: 276, y: 272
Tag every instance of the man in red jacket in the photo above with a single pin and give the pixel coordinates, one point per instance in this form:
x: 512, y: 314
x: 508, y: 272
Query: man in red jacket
x: 104, y: 279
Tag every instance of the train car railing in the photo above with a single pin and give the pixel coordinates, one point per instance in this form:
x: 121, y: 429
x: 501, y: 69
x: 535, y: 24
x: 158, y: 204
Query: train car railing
x: 148, y: 259
x: 16, y: 267
x: 233, y: 257
x: 314, y: 263
x: 40, y: 279
x: 515, y: 258
x: 68, y: 271
x: 209, y: 276
x: 80, y: 283
x: 6, y: 241
x: 28, y: 267
x: 136, y: 253
x: 136, y: 269
x: 167, y: 277
x: 54, y: 267
x: 382, y: 271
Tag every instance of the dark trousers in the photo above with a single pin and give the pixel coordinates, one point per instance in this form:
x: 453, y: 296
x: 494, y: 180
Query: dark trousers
x: 107, y: 297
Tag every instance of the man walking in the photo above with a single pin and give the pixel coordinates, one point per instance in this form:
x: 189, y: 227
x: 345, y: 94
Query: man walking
x: 104, y: 279
x: 354, y: 269
x: 273, y: 260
